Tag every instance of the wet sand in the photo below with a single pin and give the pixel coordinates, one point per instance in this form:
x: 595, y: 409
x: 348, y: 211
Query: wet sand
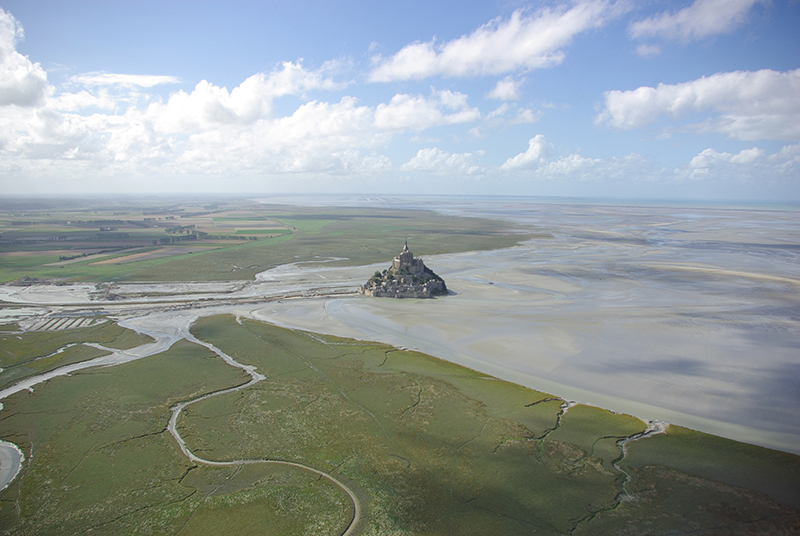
x: 11, y: 459
x: 686, y: 315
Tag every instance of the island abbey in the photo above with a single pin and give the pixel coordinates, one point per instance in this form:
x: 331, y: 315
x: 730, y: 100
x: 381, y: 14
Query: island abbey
x: 407, y: 277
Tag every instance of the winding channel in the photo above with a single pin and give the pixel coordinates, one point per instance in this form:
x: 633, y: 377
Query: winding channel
x: 166, y: 330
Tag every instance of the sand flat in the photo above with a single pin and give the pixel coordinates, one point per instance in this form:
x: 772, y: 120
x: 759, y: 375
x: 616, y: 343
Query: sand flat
x: 687, y: 315
x: 694, y: 319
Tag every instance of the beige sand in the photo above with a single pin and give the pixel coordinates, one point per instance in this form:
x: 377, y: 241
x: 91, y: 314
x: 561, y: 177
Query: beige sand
x: 684, y: 315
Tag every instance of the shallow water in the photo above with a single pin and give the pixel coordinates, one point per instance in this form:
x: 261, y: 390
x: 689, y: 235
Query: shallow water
x: 683, y: 314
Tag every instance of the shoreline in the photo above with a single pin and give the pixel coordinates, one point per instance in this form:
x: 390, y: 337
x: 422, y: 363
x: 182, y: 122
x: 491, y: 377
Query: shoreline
x: 507, y: 346
x: 168, y: 327
x: 11, y: 459
x: 321, y: 314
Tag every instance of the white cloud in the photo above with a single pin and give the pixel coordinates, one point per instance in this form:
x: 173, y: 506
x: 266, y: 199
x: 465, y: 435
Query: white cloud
x: 211, y: 131
x: 711, y: 158
x: 500, y: 46
x: 320, y: 126
x: 22, y: 82
x: 417, y: 112
x: 538, y: 150
x: 437, y: 161
x: 526, y: 115
x: 701, y: 19
x: 747, y: 166
x: 648, y: 51
x: 74, y: 102
x: 574, y: 166
x: 209, y: 105
x: 506, y: 89
x: 789, y: 153
x: 747, y: 156
x: 503, y: 115
x: 345, y: 161
x: 536, y: 165
x: 730, y: 174
x: 750, y: 105
x: 124, y: 80
x: 499, y: 111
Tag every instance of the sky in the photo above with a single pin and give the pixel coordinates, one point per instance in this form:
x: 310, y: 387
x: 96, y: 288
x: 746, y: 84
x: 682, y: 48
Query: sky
x: 694, y: 99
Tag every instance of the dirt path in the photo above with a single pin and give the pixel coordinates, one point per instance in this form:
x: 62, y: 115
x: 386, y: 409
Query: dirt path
x: 255, y: 377
x: 166, y: 329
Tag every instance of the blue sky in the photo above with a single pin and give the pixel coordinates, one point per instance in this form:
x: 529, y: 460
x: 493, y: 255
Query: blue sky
x: 696, y: 99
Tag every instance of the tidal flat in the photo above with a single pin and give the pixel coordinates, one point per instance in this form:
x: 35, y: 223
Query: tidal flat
x: 688, y: 315
x: 423, y: 446
x: 622, y: 333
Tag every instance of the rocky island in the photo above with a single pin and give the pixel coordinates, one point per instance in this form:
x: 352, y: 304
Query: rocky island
x: 407, y: 277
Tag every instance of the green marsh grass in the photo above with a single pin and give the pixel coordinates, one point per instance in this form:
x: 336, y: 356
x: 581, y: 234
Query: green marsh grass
x: 429, y: 447
x: 100, y: 461
x: 34, y: 352
x: 437, y: 448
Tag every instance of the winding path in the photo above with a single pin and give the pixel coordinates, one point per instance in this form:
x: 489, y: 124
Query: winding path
x: 166, y: 330
x: 255, y: 378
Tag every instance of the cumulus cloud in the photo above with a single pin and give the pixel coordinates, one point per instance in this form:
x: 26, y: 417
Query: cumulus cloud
x: 435, y: 160
x: 111, y: 126
x: 346, y: 161
x: 418, y: 112
x: 22, y: 82
x: 521, y: 42
x: 318, y: 126
x: 538, y: 150
x: 752, y: 165
x: 573, y: 166
x: 505, y: 89
x: 209, y: 105
x: 730, y: 173
x: 710, y: 158
x: 526, y: 115
x: 748, y: 105
x: 701, y: 19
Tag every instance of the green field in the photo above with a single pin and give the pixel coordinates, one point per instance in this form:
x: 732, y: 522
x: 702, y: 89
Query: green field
x: 41, y: 239
x: 429, y: 448
x: 30, y: 353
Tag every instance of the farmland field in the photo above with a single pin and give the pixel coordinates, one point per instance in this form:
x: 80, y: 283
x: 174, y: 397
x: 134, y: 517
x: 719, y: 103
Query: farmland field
x: 157, y: 241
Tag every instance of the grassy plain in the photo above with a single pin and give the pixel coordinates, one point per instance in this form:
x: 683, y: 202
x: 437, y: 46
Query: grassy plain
x: 429, y: 447
x: 97, y: 240
x: 100, y: 461
x: 24, y: 354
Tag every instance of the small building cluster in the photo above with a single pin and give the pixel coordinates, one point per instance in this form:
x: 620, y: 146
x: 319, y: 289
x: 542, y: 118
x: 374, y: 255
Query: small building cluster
x: 407, y: 277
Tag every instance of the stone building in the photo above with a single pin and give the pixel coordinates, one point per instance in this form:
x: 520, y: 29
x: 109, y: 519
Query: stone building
x: 407, y: 277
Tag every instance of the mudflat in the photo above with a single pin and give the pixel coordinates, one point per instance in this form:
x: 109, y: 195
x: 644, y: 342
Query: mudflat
x: 683, y: 314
